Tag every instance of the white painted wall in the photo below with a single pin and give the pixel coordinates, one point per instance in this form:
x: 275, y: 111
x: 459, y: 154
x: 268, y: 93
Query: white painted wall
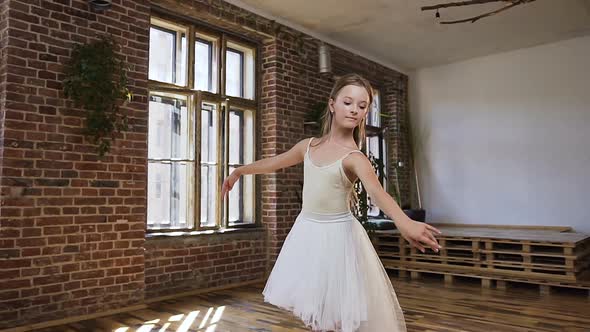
x: 507, y: 137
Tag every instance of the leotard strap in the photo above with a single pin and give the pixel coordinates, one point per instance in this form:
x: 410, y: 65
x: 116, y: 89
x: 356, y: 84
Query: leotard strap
x: 349, y: 152
x: 308, y: 144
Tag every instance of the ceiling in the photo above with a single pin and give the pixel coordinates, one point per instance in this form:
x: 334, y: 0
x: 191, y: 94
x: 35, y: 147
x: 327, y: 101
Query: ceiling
x: 398, y: 34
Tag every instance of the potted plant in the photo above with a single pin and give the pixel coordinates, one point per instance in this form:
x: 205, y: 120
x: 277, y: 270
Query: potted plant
x: 360, y: 212
x: 96, y: 79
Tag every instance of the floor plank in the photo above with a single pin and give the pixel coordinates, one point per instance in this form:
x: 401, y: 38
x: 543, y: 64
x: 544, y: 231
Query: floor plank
x: 428, y: 304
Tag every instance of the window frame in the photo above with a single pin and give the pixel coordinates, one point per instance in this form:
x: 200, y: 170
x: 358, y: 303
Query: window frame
x: 224, y: 103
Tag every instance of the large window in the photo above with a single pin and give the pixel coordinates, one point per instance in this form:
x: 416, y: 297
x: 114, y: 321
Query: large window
x: 376, y: 148
x: 202, y: 109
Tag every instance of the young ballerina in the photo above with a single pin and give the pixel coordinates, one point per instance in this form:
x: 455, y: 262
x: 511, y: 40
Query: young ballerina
x: 328, y: 273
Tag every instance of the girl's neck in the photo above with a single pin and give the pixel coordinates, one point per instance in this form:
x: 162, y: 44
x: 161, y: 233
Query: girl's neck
x: 341, y: 140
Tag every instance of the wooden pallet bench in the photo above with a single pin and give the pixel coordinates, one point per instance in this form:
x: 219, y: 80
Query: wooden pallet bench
x: 545, y: 256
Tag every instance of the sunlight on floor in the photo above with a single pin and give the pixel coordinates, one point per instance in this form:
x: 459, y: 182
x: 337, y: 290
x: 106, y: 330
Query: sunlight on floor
x: 186, y: 322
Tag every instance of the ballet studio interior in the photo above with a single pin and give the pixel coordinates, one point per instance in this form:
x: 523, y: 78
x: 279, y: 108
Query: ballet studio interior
x: 121, y: 119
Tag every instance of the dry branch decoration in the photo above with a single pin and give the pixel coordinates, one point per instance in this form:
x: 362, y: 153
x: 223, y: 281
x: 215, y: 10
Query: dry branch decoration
x: 510, y: 4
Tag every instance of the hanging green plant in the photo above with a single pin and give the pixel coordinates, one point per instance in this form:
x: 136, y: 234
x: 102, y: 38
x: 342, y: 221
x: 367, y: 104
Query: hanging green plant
x: 96, y: 79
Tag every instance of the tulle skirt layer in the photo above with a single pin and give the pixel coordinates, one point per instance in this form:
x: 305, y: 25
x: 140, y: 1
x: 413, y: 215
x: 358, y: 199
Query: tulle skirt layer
x: 329, y: 275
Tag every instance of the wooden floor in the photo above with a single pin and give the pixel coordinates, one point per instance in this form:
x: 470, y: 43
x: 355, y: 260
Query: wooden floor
x: 428, y: 306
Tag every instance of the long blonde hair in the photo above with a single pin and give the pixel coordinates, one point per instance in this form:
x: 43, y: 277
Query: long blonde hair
x: 358, y: 133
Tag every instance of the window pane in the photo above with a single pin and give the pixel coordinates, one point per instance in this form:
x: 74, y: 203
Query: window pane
x: 373, y: 145
x: 373, y: 151
x: 236, y: 201
x: 208, y: 195
x: 171, y: 131
x: 182, y: 60
x: 170, y: 196
x: 170, y: 140
x: 236, y: 141
x: 374, y: 117
x: 209, y: 164
x: 162, y: 50
x: 236, y: 137
x: 234, y: 73
x: 205, y: 65
x: 240, y: 70
x: 168, y: 55
x: 209, y: 133
x: 241, y: 151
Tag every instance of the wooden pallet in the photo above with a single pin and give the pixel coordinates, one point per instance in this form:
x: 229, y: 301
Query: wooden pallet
x: 544, y: 256
x: 500, y: 282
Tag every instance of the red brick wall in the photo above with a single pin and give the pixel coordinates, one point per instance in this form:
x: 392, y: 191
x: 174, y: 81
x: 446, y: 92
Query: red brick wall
x: 270, y: 128
x: 3, y: 67
x: 72, y: 227
x: 395, y: 101
x: 203, y: 261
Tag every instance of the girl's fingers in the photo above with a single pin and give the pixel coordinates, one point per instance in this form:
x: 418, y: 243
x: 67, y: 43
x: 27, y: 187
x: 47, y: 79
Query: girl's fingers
x: 225, y: 189
x: 432, y: 228
x: 417, y: 245
x: 433, y: 243
x: 425, y: 240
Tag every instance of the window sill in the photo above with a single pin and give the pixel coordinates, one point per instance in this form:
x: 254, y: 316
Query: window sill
x: 211, y: 232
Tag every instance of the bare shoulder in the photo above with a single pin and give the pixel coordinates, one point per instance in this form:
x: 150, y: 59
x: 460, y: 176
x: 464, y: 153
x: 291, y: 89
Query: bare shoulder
x: 356, y: 161
x: 303, y: 143
x: 301, y: 146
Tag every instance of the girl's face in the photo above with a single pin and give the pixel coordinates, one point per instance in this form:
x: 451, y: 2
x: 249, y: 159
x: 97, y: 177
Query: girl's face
x: 350, y: 107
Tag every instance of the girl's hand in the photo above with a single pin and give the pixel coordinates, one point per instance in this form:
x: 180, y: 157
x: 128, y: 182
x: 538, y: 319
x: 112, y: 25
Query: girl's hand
x: 228, y: 184
x: 419, y: 234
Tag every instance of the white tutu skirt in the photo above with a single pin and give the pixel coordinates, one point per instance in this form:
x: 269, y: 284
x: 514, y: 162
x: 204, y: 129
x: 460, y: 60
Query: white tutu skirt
x: 329, y: 275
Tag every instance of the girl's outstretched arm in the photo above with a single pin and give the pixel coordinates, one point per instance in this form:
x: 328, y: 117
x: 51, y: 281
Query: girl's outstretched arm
x: 417, y: 233
x: 268, y: 165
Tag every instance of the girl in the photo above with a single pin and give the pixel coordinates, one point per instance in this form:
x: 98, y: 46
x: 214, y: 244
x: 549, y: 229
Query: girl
x: 328, y: 273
